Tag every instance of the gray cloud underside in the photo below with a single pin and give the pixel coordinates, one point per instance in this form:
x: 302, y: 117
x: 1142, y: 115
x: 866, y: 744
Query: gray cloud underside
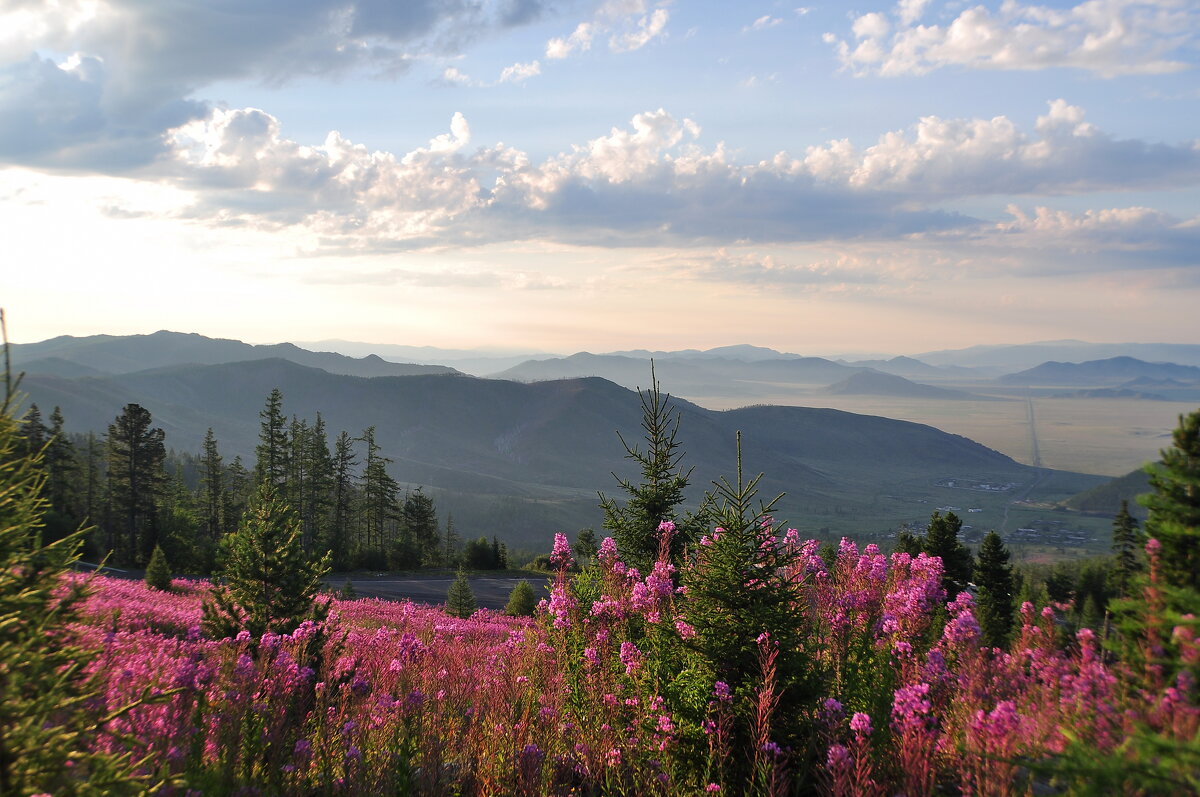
x: 650, y: 183
x: 141, y: 62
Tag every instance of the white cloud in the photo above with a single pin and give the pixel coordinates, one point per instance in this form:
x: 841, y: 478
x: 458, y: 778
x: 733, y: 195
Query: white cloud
x: 1106, y: 37
x: 136, y: 65
x: 454, y: 76
x: 762, y: 23
x: 629, y: 24
x: 647, y: 183
x: 647, y: 29
x: 960, y: 157
x: 518, y: 73
x: 909, y: 11
x: 579, y: 40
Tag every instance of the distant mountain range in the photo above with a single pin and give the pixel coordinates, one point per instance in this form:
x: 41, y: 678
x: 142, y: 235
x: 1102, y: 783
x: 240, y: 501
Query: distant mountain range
x: 875, y: 383
x: 706, y: 376
x: 521, y: 460
x: 1017, y: 357
x: 110, y: 354
x: 1114, y: 370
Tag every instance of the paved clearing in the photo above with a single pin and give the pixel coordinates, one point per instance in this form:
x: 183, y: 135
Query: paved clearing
x: 491, y: 592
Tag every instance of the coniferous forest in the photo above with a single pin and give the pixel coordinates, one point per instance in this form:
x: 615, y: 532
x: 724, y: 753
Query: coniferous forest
x: 709, y: 650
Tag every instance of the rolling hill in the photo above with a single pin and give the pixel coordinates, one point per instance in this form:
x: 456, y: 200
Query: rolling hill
x: 1098, y: 373
x: 706, y: 376
x: 523, y: 459
x: 121, y: 354
x: 875, y: 383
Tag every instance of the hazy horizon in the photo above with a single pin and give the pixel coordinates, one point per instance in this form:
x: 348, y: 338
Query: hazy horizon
x: 596, y: 174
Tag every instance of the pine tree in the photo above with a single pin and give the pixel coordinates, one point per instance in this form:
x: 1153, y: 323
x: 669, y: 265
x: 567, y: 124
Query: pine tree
x: 320, y: 488
x: 1126, y: 541
x: 61, y: 467
x: 237, y: 495
x: 656, y: 499
x: 1174, y: 518
x: 158, y: 572
x: 942, y: 540
x: 460, y: 600
x: 271, y: 584
x: 342, y: 502
x: 271, y: 454
x: 135, y: 481
x: 994, y: 580
x: 741, y: 601
x: 212, y: 487
x: 585, y: 545
x: 450, y: 542
x: 521, y: 601
x: 421, y: 526
x: 379, y: 492
x: 33, y: 433
x: 47, y: 735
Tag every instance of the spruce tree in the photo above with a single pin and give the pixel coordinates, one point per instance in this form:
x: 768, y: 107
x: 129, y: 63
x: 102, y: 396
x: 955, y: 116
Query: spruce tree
x: 741, y: 601
x: 61, y: 467
x: 271, y: 454
x: 339, y: 536
x: 942, y: 540
x: 238, y: 485
x: 994, y: 580
x: 380, y: 516
x: 421, y: 527
x: 270, y: 583
x: 1125, y: 545
x: 658, y: 496
x: 450, y: 542
x: 33, y: 433
x: 521, y: 601
x: 1174, y: 518
x: 460, y: 600
x: 135, y: 480
x: 212, y: 487
x: 48, y: 734
x: 158, y: 572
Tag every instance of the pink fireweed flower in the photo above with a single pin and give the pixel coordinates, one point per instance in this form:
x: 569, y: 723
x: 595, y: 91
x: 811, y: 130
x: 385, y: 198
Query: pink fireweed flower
x: 911, y: 707
x: 860, y: 723
x: 561, y: 557
x: 608, y: 552
x: 722, y: 691
x: 561, y: 605
x: 685, y: 630
x: 666, y: 527
x: 631, y: 657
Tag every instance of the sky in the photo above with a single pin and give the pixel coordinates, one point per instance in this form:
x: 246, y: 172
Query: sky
x: 531, y: 175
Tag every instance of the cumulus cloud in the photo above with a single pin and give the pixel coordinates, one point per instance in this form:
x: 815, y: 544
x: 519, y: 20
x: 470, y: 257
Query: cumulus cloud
x: 959, y: 157
x: 98, y: 83
x: 1105, y: 37
x: 518, y: 73
x: 647, y: 183
x: 629, y: 24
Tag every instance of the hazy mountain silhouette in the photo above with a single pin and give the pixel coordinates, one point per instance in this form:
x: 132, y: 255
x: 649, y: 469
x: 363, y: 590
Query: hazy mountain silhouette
x: 706, y: 376
x: 1027, y: 355
x: 1095, y: 373
x: 874, y: 383
x: 120, y: 354
x: 522, y: 457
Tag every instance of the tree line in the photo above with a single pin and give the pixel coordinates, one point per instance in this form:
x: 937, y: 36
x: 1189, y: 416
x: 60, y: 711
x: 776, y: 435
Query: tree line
x: 139, y: 495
